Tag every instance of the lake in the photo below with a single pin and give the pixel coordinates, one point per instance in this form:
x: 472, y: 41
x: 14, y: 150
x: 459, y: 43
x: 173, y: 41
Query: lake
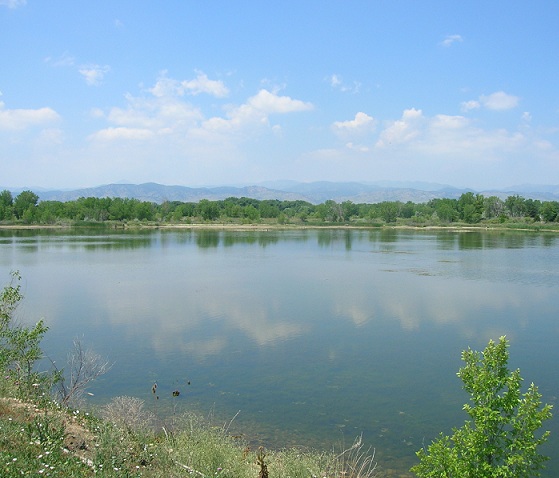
x: 315, y: 336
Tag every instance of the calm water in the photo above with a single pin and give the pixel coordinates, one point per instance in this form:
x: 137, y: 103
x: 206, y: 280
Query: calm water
x: 315, y: 336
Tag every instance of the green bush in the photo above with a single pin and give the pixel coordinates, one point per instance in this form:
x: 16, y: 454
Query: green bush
x: 501, y: 438
x: 20, y: 345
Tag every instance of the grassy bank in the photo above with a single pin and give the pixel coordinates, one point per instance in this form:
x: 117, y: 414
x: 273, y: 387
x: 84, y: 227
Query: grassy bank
x: 40, y: 438
x: 295, y: 225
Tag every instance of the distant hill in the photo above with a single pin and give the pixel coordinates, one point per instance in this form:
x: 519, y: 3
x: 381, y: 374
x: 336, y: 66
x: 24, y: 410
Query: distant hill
x: 286, y: 190
x: 159, y: 193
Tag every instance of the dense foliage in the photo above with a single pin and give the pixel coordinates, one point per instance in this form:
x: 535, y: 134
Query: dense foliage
x: 501, y: 437
x: 469, y: 208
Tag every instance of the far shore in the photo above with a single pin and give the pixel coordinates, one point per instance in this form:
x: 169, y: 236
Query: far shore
x: 277, y: 227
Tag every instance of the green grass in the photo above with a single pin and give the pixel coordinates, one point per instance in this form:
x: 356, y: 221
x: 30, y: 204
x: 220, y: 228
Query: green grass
x: 49, y: 440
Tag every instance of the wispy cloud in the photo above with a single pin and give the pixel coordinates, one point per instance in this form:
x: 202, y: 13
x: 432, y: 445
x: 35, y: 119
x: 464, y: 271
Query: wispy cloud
x: 63, y: 60
x: 122, y: 133
x: 94, y: 74
x: 13, y: 3
x: 451, y: 39
x: 166, y: 86
x: 338, y: 83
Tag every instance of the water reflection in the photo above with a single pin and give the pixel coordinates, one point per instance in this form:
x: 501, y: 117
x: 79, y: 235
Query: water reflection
x: 308, y: 332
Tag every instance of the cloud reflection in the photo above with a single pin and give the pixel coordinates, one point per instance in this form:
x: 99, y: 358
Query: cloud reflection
x: 205, y: 302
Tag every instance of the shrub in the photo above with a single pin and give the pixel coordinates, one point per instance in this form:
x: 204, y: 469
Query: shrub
x: 20, y: 345
x: 500, y: 439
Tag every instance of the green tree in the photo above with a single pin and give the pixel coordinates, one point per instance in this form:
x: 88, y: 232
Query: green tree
x: 408, y: 210
x: 501, y: 438
x: 516, y: 206
x: 251, y: 213
x: 329, y: 211
x: 493, y: 207
x: 470, y: 206
x: 6, y: 204
x: 349, y: 209
x: 549, y: 211
x: 50, y: 211
x: 390, y: 210
x: 208, y: 210
x: 269, y: 208
x: 144, y: 211
x: 25, y: 204
x: 446, y: 209
x: 533, y: 208
x: 19, y: 344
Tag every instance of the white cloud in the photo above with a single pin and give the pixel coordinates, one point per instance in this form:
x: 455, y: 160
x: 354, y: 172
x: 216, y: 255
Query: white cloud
x: 451, y: 149
x: 361, y: 123
x: 164, y: 113
x: 449, y: 122
x: 497, y: 101
x: 269, y: 103
x: 166, y: 87
x: 451, y: 39
x: 13, y: 3
x: 470, y: 105
x: 357, y: 147
x: 447, y: 135
x: 93, y: 74
x: 254, y: 112
x: 201, y: 84
x: 403, y: 130
x: 121, y: 133
x: 20, y: 119
x: 335, y: 81
x: 155, y: 114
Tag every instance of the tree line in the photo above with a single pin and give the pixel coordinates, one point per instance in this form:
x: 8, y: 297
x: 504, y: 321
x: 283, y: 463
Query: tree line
x: 469, y: 208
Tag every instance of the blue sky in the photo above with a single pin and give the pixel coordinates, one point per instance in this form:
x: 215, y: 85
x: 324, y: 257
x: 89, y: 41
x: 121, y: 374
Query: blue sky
x: 238, y: 92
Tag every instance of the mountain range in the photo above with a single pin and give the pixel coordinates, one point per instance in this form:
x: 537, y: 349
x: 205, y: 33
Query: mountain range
x: 286, y: 190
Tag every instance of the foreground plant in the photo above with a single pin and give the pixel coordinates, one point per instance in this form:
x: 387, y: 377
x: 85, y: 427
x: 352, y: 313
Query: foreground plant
x: 501, y: 439
x: 20, y: 345
x: 84, y: 366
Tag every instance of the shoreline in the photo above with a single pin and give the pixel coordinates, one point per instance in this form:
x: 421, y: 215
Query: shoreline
x: 274, y: 227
